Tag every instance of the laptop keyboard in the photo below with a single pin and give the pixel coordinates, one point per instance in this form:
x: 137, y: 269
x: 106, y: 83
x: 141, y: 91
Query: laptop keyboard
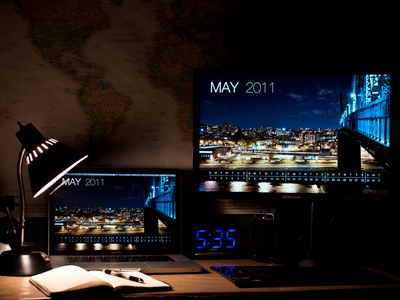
x: 119, y: 258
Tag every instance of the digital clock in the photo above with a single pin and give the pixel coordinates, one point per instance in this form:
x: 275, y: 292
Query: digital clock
x: 218, y: 240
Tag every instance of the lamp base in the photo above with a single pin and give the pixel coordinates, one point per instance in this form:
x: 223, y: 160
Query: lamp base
x: 23, y: 262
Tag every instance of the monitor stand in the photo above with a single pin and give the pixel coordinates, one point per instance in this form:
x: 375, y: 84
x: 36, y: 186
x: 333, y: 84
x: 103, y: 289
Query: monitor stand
x: 310, y: 260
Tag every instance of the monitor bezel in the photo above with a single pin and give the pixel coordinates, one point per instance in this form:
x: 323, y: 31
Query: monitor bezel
x: 121, y: 170
x: 343, y: 192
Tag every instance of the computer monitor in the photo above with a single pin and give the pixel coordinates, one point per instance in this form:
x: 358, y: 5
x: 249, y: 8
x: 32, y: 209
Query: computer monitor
x: 291, y: 136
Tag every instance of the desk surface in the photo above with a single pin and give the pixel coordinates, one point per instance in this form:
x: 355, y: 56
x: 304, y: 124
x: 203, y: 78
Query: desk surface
x: 205, y: 284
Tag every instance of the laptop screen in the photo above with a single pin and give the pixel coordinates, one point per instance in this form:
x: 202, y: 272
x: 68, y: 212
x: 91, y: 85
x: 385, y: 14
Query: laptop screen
x: 105, y: 211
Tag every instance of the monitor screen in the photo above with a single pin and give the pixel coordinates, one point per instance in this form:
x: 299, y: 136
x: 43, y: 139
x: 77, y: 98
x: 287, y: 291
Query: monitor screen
x: 115, y: 210
x: 291, y: 135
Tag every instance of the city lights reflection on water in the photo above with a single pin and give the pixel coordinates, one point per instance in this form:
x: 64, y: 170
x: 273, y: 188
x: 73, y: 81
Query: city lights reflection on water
x: 237, y: 186
x: 97, y: 246
x: 81, y: 246
x: 113, y: 247
x: 261, y: 187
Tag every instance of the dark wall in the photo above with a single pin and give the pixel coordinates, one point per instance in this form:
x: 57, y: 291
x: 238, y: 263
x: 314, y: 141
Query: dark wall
x: 294, y: 38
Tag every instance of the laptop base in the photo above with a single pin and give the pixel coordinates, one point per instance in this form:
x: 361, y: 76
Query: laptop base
x: 177, y: 265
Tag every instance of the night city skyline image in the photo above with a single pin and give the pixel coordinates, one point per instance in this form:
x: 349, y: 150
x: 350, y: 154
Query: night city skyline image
x: 283, y: 123
x: 97, y: 211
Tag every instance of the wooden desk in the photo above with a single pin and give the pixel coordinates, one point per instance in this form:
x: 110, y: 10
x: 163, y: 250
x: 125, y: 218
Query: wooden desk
x: 206, y: 284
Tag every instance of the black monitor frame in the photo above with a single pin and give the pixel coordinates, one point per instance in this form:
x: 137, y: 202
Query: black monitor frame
x: 143, y: 247
x: 342, y: 190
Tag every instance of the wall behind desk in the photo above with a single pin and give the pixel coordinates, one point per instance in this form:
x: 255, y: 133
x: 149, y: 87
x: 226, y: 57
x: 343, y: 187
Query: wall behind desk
x: 109, y: 78
x: 114, y: 78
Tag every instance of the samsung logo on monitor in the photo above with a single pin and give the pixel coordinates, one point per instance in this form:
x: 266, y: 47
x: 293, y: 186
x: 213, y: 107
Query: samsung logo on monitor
x: 291, y: 197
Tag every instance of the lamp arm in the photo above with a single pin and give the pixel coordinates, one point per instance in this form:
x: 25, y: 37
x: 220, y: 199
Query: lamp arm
x: 21, y: 194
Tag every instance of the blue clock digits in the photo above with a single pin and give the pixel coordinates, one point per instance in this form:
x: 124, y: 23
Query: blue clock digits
x: 203, y: 240
x: 216, y: 238
x: 231, y: 239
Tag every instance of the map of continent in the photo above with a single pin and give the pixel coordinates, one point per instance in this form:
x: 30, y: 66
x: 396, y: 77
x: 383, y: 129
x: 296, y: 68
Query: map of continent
x: 60, y: 30
x: 190, y: 36
x: 110, y: 78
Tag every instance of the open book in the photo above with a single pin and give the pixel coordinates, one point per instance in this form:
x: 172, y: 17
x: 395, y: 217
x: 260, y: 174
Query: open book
x: 73, y: 278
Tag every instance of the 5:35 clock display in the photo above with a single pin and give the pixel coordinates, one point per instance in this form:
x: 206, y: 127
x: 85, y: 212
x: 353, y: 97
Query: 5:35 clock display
x: 216, y: 239
x: 213, y: 239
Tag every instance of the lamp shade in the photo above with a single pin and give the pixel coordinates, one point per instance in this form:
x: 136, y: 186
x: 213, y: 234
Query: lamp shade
x: 48, y: 160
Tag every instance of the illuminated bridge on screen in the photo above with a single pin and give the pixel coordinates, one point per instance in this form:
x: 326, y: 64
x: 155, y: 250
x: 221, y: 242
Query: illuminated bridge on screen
x: 161, y: 204
x: 365, y: 121
x: 164, y: 203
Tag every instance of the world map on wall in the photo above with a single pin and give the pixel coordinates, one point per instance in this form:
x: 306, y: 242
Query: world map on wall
x: 112, y: 78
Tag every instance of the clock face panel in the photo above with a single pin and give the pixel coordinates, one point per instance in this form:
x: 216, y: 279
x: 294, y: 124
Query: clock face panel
x: 218, y: 239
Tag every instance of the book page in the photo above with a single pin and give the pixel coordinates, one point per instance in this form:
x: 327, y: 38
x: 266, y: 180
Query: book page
x: 65, y: 279
x: 115, y: 281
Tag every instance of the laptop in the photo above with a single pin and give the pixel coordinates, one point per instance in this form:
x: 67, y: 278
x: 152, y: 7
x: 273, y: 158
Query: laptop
x: 120, y: 219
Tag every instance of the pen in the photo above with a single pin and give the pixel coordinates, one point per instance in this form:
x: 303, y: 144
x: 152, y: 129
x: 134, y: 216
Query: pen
x: 126, y: 276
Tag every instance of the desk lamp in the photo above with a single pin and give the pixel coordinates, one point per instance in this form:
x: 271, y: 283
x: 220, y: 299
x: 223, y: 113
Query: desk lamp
x: 48, y: 160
